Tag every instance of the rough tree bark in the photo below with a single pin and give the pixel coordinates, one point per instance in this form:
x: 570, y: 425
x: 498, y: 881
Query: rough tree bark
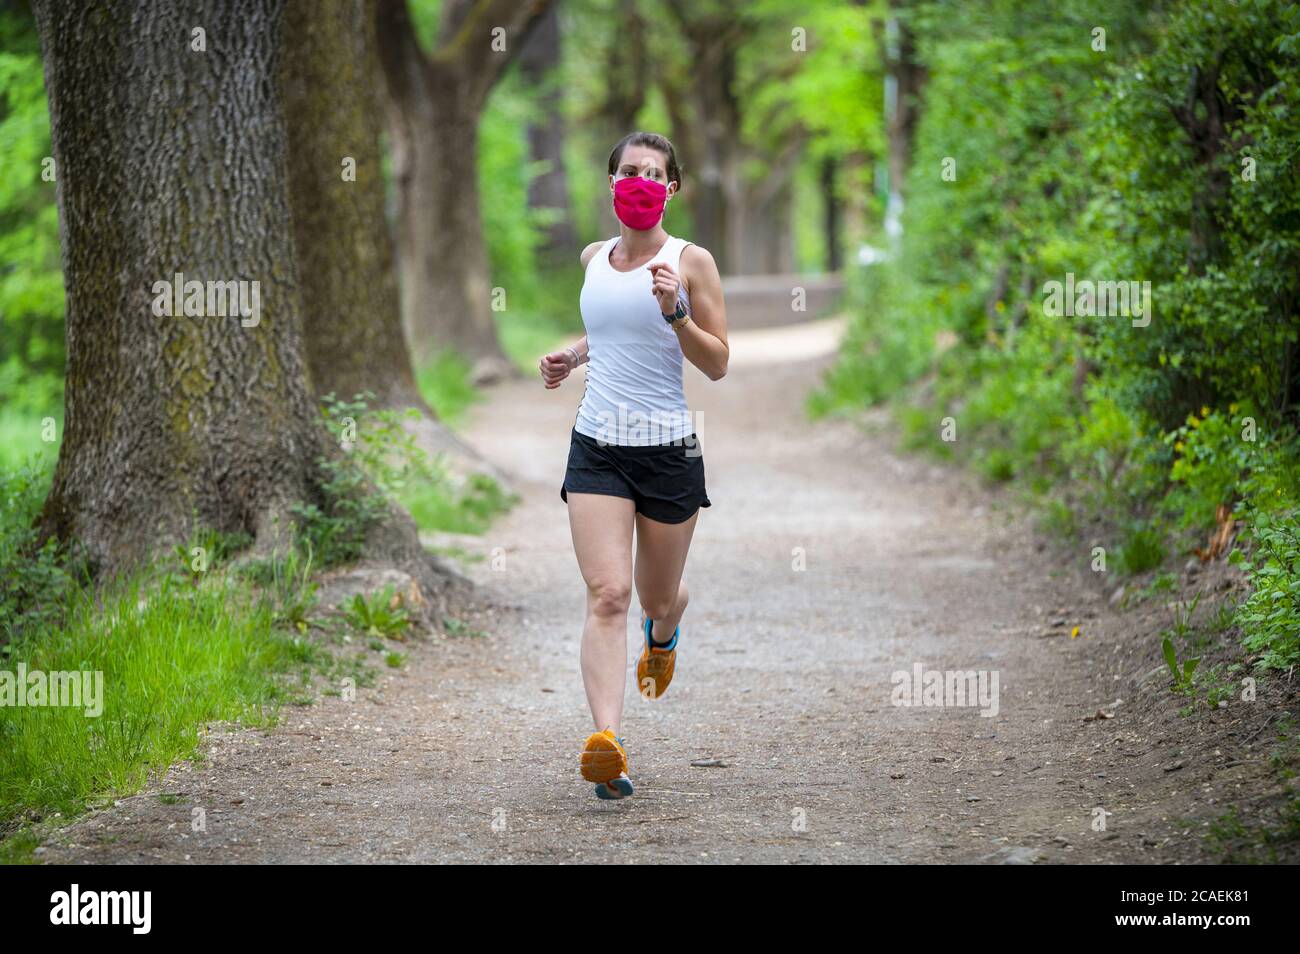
x: 435, y: 103
x: 351, y: 313
x: 351, y: 320
x: 172, y: 160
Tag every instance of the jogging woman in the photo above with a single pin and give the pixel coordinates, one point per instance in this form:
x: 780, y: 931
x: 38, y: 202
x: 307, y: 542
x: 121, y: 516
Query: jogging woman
x: 635, y: 463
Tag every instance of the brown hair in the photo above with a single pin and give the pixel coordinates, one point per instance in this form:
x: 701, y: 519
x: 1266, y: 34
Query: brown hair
x: 653, y: 141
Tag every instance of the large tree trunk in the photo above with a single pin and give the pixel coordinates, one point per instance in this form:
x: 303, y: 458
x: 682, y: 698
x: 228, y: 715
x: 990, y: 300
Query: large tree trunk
x: 352, y: 323
x: 352, y: 318
x: 171, y: 161
x: 540, y: 64
x: 435, y: 103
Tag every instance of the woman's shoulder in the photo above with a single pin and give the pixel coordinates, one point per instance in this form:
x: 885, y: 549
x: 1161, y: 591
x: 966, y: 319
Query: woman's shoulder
x: 695, y: 261
x: 589, y: 252
x: 694, y: 253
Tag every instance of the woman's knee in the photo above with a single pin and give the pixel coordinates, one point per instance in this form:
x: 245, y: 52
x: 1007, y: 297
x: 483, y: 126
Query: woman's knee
x: 607, y: 598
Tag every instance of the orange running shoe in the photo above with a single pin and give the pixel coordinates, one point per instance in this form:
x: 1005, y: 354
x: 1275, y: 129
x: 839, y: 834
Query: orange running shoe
x: 604, y: 761
x: 654, y: 670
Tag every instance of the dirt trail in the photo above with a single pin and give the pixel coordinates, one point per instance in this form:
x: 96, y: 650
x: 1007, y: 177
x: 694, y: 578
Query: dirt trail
x: 470, y: 753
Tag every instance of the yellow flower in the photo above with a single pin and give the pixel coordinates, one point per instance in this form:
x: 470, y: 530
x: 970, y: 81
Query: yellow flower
x: 1074, y: 633
x: 1205, y: 411
x: 1232, y: 408
x: 1178, y: 446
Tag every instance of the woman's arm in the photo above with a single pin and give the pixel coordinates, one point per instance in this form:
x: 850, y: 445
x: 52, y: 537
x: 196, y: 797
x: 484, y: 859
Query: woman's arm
x: 578, y: 352
x: 555, y: 367
x: 704, y: 337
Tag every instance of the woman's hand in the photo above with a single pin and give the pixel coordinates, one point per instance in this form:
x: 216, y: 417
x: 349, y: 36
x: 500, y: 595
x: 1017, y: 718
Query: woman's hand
x: 665, y: 286
x: 555, y: 367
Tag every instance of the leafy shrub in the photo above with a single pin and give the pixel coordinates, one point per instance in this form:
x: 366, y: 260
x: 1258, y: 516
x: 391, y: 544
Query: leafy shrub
x: 1270, y: 616
x: 379, y: 614
x: 35, y: 581
x: 1069, y: 161
x: 1143, y: 549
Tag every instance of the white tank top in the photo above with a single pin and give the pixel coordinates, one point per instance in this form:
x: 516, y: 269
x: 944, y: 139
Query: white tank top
x: 634, y: 370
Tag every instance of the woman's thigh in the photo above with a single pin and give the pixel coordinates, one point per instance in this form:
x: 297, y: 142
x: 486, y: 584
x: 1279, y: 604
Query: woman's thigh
x: 601, y: 525
x: 661, y: 550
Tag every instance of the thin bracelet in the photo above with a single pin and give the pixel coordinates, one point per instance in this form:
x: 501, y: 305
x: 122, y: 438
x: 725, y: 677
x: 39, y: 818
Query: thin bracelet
x: 577, y: 358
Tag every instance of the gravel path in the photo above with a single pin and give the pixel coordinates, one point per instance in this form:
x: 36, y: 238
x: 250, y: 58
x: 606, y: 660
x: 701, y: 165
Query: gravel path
x: 825, y: 565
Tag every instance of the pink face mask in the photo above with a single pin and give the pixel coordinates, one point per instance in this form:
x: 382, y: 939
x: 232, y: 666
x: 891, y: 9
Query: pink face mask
x: 639, y: 203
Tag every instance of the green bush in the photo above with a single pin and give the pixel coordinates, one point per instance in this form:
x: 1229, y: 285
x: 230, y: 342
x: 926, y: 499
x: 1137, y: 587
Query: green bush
x: 34, y: 580
x: 1143, y: 549
x: 1271, y: 614
x: 1170, y: 158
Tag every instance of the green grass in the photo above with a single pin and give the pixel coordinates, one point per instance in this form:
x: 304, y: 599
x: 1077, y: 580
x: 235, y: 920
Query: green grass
x: 444, y: 382
x: 1143, y: 549
x: 20, y: 847
x: 175, y: 655
x: 435, y: 506
x: 378, y: 614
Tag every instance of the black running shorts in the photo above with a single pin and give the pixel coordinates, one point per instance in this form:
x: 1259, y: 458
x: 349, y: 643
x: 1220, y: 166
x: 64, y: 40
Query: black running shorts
x: 666, y: 481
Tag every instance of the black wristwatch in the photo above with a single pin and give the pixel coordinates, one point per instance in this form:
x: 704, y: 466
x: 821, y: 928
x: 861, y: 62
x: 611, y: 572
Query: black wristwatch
x: 676, y: 315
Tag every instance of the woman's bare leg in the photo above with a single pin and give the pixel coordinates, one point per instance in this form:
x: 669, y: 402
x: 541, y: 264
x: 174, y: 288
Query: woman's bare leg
x: 602, y: 541
x: 661, y: 550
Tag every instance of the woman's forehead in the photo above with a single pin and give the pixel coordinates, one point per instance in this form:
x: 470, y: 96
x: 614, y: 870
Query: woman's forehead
x: 643, y: 157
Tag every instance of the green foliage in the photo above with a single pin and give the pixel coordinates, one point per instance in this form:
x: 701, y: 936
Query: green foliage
x: 34, y: 579
x: 1183, y: 675
x: 445, y: 383
x: 286, y: 586
x: 336, y: 529
x: 379, y: 614
x: 1211, y: 463
x: 31, y: 279
x: 469, y: 509
x: 1143, y: 549
x: 1271, y: 614
x: 382, y: 464
x: 1108, y: 166
x: 1221, y: 250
